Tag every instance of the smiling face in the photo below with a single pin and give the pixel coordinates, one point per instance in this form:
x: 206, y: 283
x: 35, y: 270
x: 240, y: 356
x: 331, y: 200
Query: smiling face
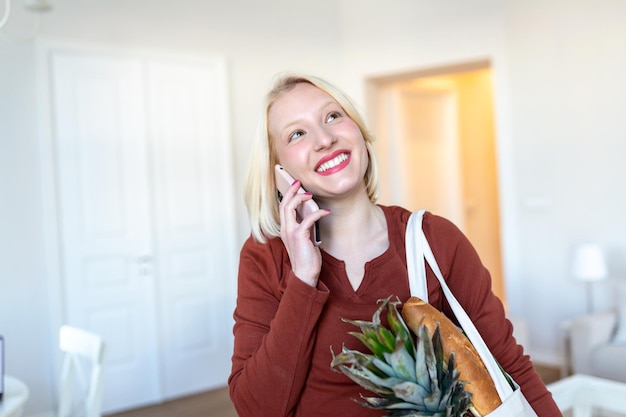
x: 317, y: 142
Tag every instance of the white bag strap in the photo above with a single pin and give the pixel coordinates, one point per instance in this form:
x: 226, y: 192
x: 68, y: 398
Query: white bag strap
x: 416, y: 270
x: 418, y: 247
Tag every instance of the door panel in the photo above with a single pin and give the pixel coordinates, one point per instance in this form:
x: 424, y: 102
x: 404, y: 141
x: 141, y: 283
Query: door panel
x: 429, y: 146
x: 104, y: 218
x: 189, y: 150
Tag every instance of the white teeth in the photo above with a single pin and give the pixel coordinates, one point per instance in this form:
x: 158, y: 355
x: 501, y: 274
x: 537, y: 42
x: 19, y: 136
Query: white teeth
x: 333, y: 162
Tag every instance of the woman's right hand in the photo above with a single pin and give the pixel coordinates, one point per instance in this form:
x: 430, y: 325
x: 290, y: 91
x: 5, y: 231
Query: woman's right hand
x: 305, y: 257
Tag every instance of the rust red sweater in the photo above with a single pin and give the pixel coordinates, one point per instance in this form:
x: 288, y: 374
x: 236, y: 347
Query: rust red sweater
x: 285, y: 330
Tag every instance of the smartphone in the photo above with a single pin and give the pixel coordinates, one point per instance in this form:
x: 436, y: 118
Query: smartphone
x: 283, y: 182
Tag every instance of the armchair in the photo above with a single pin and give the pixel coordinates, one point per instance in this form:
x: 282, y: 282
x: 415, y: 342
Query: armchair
x: 593, y: 348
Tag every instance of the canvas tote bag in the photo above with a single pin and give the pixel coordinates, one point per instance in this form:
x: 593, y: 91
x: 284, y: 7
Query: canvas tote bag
x: 514, y: 404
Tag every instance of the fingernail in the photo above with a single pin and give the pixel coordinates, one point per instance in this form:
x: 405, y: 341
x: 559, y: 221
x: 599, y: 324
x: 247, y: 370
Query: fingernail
x: 328, y: 210
x: 294, y: 182
x: 308, y: 193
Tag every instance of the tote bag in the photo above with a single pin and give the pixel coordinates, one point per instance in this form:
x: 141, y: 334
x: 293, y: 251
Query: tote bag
x: 514, y: 404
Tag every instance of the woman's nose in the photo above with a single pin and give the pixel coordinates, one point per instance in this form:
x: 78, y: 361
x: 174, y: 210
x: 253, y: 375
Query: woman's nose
x: 324, y: 139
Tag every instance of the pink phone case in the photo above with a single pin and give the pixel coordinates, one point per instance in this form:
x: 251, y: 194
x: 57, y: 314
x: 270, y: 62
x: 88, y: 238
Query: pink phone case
x: 283, y: 182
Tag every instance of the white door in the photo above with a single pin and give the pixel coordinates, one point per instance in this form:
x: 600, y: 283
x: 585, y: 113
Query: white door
x: 431, y: 152
x: 193, y: 224
x: 423, y: 151
x: 147, y: 227
x: 105, y: 219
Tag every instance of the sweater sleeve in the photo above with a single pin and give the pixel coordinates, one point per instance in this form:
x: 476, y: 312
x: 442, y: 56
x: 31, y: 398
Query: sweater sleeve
x: 470, y: 282
x: 275, y: 324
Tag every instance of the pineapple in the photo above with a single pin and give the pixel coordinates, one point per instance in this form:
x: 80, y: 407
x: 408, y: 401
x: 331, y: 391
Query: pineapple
x: 411, y: 378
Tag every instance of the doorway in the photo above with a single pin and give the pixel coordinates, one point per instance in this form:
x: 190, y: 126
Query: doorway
x: 436, y: 148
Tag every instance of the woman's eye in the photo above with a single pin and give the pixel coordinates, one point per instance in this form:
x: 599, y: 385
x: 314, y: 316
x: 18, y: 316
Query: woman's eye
x: 332, y: 116
x: 296, y: 135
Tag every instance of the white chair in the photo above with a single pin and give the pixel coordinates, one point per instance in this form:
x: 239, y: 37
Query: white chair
x: 80, y: 389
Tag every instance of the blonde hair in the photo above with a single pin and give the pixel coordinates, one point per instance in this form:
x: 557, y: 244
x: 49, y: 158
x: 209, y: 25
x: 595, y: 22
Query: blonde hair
x: 260, y: 186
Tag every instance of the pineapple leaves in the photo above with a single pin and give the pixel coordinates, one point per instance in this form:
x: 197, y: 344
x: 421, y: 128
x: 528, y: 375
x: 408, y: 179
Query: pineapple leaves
x: 399, y: 328
x: 408, y: 373
x: 402, y: 361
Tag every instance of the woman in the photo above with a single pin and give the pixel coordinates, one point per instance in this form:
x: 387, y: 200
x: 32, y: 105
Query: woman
x: 292, y: 294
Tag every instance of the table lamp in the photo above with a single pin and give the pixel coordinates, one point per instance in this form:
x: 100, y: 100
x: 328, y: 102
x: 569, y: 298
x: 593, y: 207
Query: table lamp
x: 589, y: 266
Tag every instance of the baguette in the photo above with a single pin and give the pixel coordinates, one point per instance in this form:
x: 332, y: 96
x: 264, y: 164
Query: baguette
x: 469, y: 364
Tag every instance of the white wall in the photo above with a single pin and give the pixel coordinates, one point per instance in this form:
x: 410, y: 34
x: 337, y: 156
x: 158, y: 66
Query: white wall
x: 558, y: 73
x: 567, y: 61
x: 24, y: 306
x: 560, y: 97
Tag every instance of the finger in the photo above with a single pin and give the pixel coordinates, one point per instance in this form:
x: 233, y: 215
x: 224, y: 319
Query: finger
x: 312, y: 216
x: 293, y: 190
x: 294, y: 199
x: 285, y: 206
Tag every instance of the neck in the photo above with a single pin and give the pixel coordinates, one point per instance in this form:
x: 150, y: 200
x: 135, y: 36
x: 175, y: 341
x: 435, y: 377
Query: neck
x: 351, y: 223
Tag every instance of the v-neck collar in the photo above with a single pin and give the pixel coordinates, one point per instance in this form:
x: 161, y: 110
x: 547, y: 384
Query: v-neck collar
x: 368, y: 276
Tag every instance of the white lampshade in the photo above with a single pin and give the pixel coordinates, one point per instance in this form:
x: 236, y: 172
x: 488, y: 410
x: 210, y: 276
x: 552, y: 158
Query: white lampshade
x: 589, y: 263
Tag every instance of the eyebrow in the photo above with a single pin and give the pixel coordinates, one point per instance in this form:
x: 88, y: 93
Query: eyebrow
x: 321, y: 109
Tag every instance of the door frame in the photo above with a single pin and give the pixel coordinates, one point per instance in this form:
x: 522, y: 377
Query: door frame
x: 374, y: 90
